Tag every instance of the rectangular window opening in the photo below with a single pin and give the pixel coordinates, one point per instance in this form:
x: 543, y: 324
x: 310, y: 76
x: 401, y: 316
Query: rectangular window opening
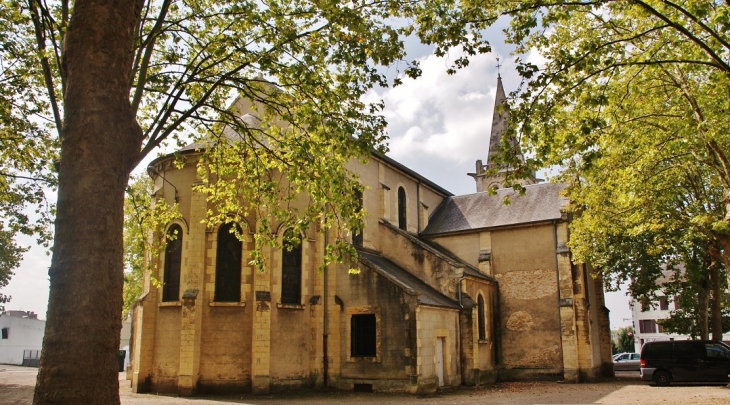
x: 5, y: 333
x: 647, y: 326
x: 363, y: 335
x: 663, y: 303
x: 362, y: 387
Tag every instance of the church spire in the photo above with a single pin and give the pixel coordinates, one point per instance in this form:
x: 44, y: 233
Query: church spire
x: 489, y: 175
x: 500, y: 118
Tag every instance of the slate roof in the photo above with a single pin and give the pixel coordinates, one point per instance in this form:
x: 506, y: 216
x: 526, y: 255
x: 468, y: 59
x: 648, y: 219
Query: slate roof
x: 540, y: 203
x: 413, y: 285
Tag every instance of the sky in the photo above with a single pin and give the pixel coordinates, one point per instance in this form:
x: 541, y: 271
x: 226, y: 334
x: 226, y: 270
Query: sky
x: 438, y: 126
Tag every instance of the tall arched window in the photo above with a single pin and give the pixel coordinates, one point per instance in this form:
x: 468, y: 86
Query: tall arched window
x: 357, y: 234
x: 480, y: 321
x: 291, y: 270
x: 228, y: 266
x: 402, y: 224
x: 173, y: 261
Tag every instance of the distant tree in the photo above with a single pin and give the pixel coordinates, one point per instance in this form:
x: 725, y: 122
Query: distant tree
x: 136, y: 205
x: 625, y: 340
x: 27, y: 146
x: 10, y: 255
x: 701, y: 304
x: 141, y: 220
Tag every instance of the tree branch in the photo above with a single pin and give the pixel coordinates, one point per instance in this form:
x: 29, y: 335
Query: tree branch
x: 149, y: 47
x: 47, y: 76
x: 714, y: 56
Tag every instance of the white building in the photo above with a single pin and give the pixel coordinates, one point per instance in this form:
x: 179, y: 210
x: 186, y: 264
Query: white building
x: 646, y: 328
x: 21, y: 337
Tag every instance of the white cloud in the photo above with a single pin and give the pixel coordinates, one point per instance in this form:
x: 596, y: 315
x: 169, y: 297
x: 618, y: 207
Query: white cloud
x: 536, y: 58
x: 439, y: 124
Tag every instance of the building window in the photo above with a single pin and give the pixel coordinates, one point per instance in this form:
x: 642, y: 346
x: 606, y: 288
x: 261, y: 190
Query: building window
x: 357, y: 233
x: 228, y: 265
x: 5, y: 333
x: 402, y: 224
x: 647, y: 326
x: 173, y: 261
x: 480, y: 320
x: 663, y: 303
x: 362, y: 335
x: 676, y: 303
x: 291, y: 269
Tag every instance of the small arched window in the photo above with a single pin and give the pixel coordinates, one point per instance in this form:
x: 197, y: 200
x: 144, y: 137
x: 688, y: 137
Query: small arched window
x: 291, y: 269
x: 357, y: 234
x: 480, y: 321
x: 173, y: 261
x: 228, y: 265
x: 402, y: 224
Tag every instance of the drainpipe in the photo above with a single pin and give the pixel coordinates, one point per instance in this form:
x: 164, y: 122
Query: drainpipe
x: 458, y: 288
x: 458, y: 341
x: 557, y: 279
x: 418, y: 207
x: 586, y: 295
x: 325, y: 333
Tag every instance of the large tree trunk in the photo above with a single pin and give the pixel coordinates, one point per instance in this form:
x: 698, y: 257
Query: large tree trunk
x: 715, y: 302
x: 724, y: 239
x: 100, y: 140
x: 703, y: 300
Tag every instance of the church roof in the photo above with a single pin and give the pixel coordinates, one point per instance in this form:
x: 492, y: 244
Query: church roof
x: 540, y: 203
x: 411, y: 284
x: 253, y: 122
x: 439, y: 250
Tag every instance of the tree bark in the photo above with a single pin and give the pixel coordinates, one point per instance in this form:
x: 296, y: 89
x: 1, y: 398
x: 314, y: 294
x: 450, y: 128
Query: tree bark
x: 715, y: 302
x: 703, y: 299
x: 101, y: 138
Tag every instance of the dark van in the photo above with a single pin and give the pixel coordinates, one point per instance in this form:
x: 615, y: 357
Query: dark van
x: 685, y: 360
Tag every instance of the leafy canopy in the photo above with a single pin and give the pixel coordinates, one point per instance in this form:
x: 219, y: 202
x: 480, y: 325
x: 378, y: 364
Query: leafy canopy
x: 625, y: 340
x: 631, y: 104
x: 305, y: 63
x: 27, y: 147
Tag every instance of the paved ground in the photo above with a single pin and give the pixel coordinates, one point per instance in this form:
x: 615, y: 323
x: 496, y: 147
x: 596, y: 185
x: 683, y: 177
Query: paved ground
x: 16, y: 388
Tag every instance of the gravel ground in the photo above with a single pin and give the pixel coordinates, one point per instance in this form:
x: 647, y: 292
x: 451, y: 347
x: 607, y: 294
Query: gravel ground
x: 16, y: 388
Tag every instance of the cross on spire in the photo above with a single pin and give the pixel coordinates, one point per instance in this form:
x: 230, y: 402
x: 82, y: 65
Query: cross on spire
x: 498, y: 66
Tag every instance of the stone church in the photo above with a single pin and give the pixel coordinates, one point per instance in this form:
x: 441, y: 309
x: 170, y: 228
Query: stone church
x: 452, y: 290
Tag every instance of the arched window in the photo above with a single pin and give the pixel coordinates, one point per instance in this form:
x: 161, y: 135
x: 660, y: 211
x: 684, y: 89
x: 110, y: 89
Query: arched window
x: 480, y: 320
x: 173, y: 260
x: 228, y: 266
x: 291, y: 270
x: 402, y: 209
x: 357, y: 234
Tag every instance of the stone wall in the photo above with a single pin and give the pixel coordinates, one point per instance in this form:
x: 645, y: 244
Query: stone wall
x: 437, y: 324
x: 370, y: 293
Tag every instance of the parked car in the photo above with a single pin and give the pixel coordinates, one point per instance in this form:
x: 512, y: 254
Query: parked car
x: 685, y: 360
x: 626, y: 362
